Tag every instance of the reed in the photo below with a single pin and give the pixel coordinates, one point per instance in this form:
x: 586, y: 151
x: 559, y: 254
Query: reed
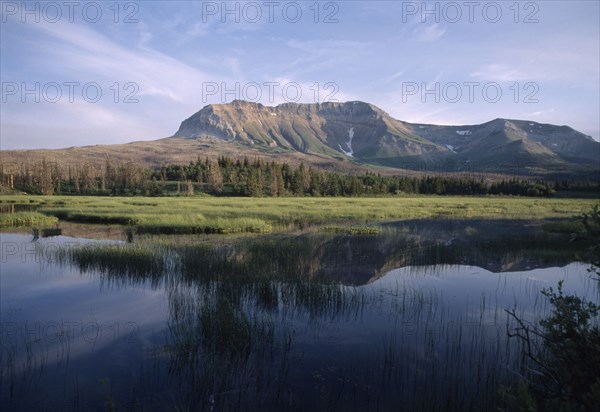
x: 227, y: 215
x: 26, y: 219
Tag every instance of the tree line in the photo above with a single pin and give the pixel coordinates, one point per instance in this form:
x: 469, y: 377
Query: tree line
x: 225, y: 176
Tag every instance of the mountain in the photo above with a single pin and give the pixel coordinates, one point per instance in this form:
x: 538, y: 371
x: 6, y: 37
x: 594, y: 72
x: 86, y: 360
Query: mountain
x: 351, y: 137
x: 154, y: 153
x: 355, y: 129
x: 516, y: 142
x: 366, y: 134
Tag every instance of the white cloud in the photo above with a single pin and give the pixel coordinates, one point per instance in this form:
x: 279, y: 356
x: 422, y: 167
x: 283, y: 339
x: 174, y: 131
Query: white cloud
x: 83, y: 53
x: 540, y: 112
x: 502, y: 73
x: 168, y: 91
x: 170, y: 53
x: 429, y: 33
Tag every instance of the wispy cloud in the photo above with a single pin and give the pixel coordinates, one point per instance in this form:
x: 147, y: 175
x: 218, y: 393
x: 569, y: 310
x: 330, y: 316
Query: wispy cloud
x: 172, y: 52
x: 387, y: 80
x: 83, y: 53
x: 327, y: 46
x: 429, y: 33
x: 168, y: 90
x: 503, y: 73
x: 315, y: 55
x: 541, y: 112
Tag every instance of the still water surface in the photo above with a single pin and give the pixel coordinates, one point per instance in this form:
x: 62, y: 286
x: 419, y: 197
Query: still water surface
x: 413, y: 318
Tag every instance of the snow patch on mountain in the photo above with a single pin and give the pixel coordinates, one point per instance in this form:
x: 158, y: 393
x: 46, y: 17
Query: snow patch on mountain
x: 348, y: 143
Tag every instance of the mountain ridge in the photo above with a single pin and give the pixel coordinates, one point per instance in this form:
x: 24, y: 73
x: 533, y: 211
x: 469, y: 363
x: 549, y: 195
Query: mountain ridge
x: 368, y: 134
x: 350, y: 137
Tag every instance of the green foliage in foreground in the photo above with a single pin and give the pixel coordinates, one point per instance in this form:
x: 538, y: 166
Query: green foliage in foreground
x: 564, y: 375
x: 573, y: 346
x: 26, y: 219
x: 591, y: 231
x: 227, y: 215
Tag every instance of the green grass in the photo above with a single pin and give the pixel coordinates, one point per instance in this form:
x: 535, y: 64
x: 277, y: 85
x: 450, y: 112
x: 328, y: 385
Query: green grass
x: 228, y: 215
x: 351, y: 230
x: 26, y: 219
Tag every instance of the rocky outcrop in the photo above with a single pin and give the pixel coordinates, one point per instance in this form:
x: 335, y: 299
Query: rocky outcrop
x: 363, y: 132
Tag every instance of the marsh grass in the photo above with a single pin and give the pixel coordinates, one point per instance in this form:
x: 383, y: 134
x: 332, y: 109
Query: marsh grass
x: 218, y: 226
x: 351, y: 230
x: 46, y: 232
x: 318, y: 257
x: 568, y: 226
x: 231, y: 340
x: 117, y: 263
x: 227, y: 215
x: 25, y: 357
x: 26, y: 219
x: 221, y: 346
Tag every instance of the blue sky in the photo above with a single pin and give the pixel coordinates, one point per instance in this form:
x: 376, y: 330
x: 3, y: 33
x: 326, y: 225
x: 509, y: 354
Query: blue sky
x: 156, y: 63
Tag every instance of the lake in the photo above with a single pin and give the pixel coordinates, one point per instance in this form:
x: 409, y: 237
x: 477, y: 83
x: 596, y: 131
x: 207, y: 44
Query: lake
x: 411, y: 318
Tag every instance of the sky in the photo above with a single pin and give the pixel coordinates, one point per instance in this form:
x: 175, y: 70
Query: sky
x: 84, y: 73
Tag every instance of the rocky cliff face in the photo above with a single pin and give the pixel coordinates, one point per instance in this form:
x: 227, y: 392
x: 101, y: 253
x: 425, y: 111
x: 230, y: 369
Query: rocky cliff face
x: 353, y: 129
x: 365, y: 133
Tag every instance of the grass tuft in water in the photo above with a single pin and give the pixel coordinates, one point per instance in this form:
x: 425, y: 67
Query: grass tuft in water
x: 26, y: 219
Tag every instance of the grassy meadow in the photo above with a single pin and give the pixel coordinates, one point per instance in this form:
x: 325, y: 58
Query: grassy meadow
x: 203, y: 214
x: 26, y: 219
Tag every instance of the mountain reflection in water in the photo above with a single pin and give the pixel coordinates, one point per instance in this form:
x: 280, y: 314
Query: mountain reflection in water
x: 411, y: 318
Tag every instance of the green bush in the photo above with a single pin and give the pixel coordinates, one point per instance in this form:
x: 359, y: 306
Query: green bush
x: 565, y: 374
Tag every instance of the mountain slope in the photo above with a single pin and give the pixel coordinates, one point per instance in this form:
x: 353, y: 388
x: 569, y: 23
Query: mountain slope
x: 347, y: 137
x: 367, y: 134
x: 353, y: 129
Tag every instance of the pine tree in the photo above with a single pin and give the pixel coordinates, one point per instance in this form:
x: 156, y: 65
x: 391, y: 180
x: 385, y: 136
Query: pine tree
x: 304, y: 176
x: 253, y: 189
x: 214, y: 178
